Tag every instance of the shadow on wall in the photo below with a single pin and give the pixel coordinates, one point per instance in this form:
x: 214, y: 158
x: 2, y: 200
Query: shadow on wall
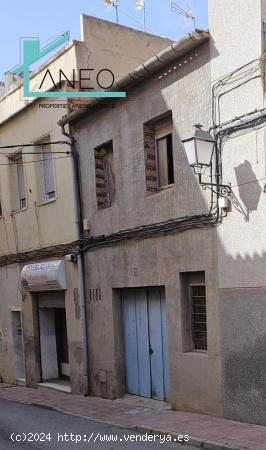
x: 249, y: 189
x: 243, y: 337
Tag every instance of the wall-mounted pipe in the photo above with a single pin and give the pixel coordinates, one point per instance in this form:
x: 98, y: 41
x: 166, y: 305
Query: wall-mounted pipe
x: 77, y: 207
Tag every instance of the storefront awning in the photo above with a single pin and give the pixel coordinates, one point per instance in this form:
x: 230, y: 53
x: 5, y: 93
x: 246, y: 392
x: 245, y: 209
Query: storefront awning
x: 44, y: 276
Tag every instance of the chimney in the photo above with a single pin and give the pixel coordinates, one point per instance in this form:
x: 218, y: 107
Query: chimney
x: 10, y: 82
x: 2, y: 89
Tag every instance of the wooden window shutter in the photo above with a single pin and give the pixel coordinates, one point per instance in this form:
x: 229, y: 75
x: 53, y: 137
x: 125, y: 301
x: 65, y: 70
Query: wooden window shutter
x: 150, y: 160
x: 48, y: 172
x: 101, y: 172
x: 21, y: 182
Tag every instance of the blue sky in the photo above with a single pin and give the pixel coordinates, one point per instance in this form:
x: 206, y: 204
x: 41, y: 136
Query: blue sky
x: 48, y: 19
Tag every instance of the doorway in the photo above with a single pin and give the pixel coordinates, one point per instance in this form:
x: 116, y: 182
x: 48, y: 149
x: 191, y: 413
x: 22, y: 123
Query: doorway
x: 53, y: 336
x: 145, y: 342
x: 61, y: 342
x: 18, y: 345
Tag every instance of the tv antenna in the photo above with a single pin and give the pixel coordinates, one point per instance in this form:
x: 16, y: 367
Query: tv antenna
x: 186, y: 13
x: 140, y: 5
x: 113, y: 4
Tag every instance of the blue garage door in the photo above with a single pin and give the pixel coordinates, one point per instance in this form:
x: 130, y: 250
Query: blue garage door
x: 145, y: 343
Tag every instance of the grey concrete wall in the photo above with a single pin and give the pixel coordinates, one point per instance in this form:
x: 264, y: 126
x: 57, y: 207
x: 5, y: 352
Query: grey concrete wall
x: 243, y: 330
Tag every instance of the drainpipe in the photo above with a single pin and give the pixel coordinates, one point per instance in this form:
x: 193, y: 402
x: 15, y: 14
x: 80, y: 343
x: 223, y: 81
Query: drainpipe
x: 77, y: 206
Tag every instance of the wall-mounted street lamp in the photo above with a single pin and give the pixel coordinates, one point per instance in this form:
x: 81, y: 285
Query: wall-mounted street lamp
x: 199, y: 150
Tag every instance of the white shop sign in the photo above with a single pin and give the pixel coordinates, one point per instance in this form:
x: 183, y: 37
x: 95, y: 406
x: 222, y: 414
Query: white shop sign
x: 46, y: 276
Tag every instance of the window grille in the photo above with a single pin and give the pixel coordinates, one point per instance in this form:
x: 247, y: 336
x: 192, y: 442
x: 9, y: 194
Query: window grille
x: 199, y: 317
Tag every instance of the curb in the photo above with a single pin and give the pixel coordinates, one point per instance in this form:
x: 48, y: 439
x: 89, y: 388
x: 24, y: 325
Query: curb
x: 193, y: 441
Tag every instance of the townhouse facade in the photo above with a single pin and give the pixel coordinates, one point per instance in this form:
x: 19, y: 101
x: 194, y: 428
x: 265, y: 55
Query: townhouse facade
x: 175, y: 274
x: 42, y: 320
x: 134, y: 306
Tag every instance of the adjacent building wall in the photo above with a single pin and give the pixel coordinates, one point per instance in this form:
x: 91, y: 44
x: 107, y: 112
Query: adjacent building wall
x: 43, y: 224
x: 25, y: 123
x: 104, y: 45
x: 116, y: 47
x: 237, y: 40
x: 32, y: 227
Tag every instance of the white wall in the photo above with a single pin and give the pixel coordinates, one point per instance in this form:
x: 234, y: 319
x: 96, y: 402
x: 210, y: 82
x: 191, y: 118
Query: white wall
x: 237, y: 40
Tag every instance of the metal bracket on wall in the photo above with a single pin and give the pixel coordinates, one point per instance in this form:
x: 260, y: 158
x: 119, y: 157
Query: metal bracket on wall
x: 224, y: 190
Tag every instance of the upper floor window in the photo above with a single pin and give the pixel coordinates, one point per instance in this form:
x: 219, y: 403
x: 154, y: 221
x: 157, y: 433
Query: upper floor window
x: 158, y: 144
x: 165, y: 166
x: 104, y: 176
x: 17, y: 179
x: 44, y: 170
x: 21, y: 182
x: 47, y: 172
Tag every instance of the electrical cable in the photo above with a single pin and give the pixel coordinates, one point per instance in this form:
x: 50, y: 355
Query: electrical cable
x: 87, y: 243
x: 35, y: 153
x: 230, y: 79
x: 32, y: 161
x: 210, y: 219
x: 249, y: 182
x: 41, y: 144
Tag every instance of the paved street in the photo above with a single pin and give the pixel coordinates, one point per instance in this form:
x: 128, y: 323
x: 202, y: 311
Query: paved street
x: 44, y: 428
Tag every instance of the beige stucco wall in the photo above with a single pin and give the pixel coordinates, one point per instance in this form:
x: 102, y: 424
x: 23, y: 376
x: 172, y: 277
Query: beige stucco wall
x: 14, y: 298
x: 65, y: 59
x: 11, y: 300
x: 39, y: 224
x: 117, y: 47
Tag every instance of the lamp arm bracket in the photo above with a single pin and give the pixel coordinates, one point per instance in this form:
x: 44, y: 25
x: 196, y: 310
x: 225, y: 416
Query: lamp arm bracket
x: 224, y: 190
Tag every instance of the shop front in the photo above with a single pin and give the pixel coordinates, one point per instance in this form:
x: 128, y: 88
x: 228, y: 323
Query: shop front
x: 51, y: 325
